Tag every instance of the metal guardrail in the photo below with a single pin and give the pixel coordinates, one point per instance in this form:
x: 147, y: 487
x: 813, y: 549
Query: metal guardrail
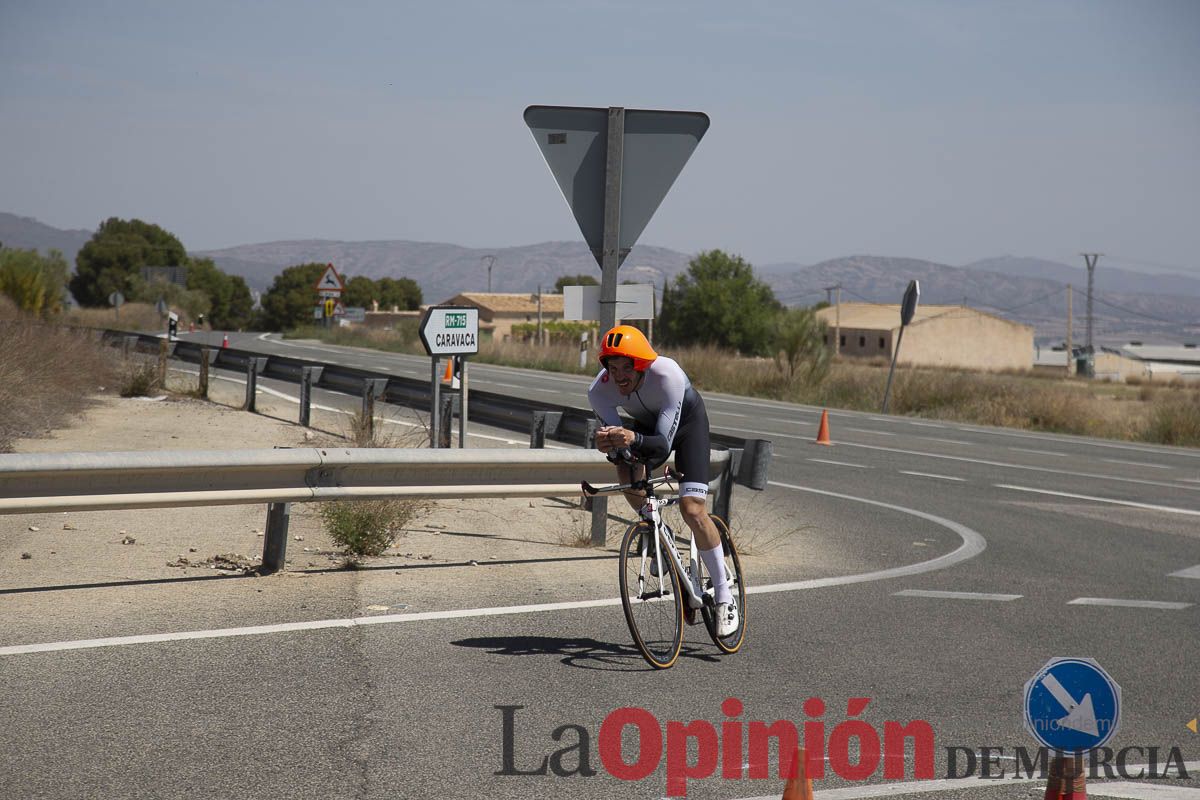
x: 46, y: 482
x: 565, y: 424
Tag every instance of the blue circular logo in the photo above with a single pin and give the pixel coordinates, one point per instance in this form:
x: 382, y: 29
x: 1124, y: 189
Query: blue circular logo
x: 1072, y: 704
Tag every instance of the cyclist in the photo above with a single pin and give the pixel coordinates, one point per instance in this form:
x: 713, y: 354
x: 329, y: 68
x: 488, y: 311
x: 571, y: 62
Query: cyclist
x: 668, y: 415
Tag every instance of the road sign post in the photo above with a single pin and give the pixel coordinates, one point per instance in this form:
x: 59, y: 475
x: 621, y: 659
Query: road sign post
x: 449, y: 331
x: 908, y: 308
x: 329, y: 288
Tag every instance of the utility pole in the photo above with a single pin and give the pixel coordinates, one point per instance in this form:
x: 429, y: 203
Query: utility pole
x: 539, y: 322
x: 1070, y: 359
x: 1090, y: 259
x: 837, y: 323
x: 490, y: 259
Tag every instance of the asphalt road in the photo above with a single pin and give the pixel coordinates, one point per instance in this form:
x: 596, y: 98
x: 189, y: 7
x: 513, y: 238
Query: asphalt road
x: 1049, y: 546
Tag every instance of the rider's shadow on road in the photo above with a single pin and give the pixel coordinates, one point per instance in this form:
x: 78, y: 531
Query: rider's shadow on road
x: 581, y: 653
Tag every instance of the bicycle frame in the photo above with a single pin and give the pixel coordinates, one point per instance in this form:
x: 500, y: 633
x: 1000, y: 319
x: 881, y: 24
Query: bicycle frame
x: 692, y: 575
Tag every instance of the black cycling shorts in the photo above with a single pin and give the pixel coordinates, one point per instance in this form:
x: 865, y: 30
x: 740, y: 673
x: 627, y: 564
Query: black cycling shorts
x: 691, y: 445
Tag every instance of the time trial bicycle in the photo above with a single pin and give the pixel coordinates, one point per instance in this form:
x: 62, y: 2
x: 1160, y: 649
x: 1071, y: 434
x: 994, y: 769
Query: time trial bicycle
x: 659, y: 591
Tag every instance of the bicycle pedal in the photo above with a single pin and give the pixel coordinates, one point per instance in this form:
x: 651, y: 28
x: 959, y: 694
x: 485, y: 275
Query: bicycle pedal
x: 689, y: 616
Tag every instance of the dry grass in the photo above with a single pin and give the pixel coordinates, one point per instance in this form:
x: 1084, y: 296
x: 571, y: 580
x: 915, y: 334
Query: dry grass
x: 132, y: 317
x: 48, y: 374
x: 1161, y: 413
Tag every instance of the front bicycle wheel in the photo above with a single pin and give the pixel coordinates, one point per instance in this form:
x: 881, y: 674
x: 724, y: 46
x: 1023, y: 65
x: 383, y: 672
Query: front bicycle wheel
x: 737, y: 587
x: 653, y: 605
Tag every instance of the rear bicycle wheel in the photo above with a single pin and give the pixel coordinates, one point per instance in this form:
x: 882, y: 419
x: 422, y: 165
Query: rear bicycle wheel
x: 653, y: 605
x: 737, y: 587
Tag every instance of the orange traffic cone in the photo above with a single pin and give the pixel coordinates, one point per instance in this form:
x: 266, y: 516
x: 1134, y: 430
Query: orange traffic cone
x: 225, y: 340
x: 799, y: 785
x: 1067, y: 780
x: 451, y: 376
x: 823, y: 430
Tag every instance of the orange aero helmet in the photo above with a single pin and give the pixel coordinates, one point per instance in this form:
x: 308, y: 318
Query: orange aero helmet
x: 627, y: 341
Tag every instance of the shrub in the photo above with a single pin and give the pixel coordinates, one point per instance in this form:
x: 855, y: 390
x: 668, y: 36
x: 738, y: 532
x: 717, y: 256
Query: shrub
x: 368, y: 527
x: 1175, y: 421
x: 140, y: 377
x: 47, y: 374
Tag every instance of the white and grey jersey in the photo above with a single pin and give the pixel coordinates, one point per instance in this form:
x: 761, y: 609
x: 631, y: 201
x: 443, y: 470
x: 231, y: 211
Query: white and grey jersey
x: 657, y: 404
x: 668, y: 415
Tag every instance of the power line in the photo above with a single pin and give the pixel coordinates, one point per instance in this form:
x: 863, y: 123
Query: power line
x: 1131, y: 311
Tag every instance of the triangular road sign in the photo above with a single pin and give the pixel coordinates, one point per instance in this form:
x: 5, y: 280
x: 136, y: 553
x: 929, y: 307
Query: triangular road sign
x: 574, y: 142
x: 330, y: 281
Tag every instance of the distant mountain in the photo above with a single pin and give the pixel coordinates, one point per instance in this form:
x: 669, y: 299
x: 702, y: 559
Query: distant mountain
x: 1128, y: 305
x: 443, y: 270
x: 25, y: 233
x: 1107, y: 279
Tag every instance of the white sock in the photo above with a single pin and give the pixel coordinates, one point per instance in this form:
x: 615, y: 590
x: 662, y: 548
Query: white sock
x: 714, y: 562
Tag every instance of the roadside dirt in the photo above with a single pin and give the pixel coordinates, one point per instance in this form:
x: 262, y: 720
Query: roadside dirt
x: 110, y: 573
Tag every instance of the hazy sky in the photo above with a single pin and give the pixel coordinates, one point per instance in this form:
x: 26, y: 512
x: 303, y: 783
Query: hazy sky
x: 949, y: 131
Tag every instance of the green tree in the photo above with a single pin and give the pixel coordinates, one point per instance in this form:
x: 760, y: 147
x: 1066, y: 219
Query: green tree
x: 229, y: 304
x: 112, y: 259
x: 719, y: 301
x: 800, y: 344
x: 36, y: 283
x: 404, y: 293
x: 291, y: 299
x: 574, y: 280
x: 360, y: 291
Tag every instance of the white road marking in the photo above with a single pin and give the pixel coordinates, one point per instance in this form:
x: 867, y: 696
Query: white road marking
x: 931, y: 475
x: 1005, y: 464
x: 1190, y: 572
x: 1189, y: 480
x: 948, y: 441
x: 789, y: 421
x: 508, y: 385
x: 839, y: 463
x: 956, y: 595
x: 728, y: 414
x: 1135, y: 463
x: 867, y: 430
x: 972, y: 545
x: 1130, y: 503
x: 926, y: 424
x: 1059, y: 439
x: 1039, y: 452
x: 1114, y: 601
x: 773, y: 435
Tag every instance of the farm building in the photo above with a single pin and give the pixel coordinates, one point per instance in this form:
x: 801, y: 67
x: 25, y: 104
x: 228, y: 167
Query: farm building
x: 938, y: 336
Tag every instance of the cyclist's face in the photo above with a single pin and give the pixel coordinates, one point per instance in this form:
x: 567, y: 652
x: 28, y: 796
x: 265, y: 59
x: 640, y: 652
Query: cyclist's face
x: 621, y: 370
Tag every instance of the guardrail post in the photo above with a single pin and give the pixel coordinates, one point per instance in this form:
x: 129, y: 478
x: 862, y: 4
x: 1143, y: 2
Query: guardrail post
x: 598, y: 505
x: 372, y: 388
x: 723, y: 497
x: 253, y: 367
x: 306, y: 382
x: 446, y: 418
x: 544, y: 422
x: 203, y: 389
x: 163, y: 351
x: 275, y: 543
x: 752, y: 472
